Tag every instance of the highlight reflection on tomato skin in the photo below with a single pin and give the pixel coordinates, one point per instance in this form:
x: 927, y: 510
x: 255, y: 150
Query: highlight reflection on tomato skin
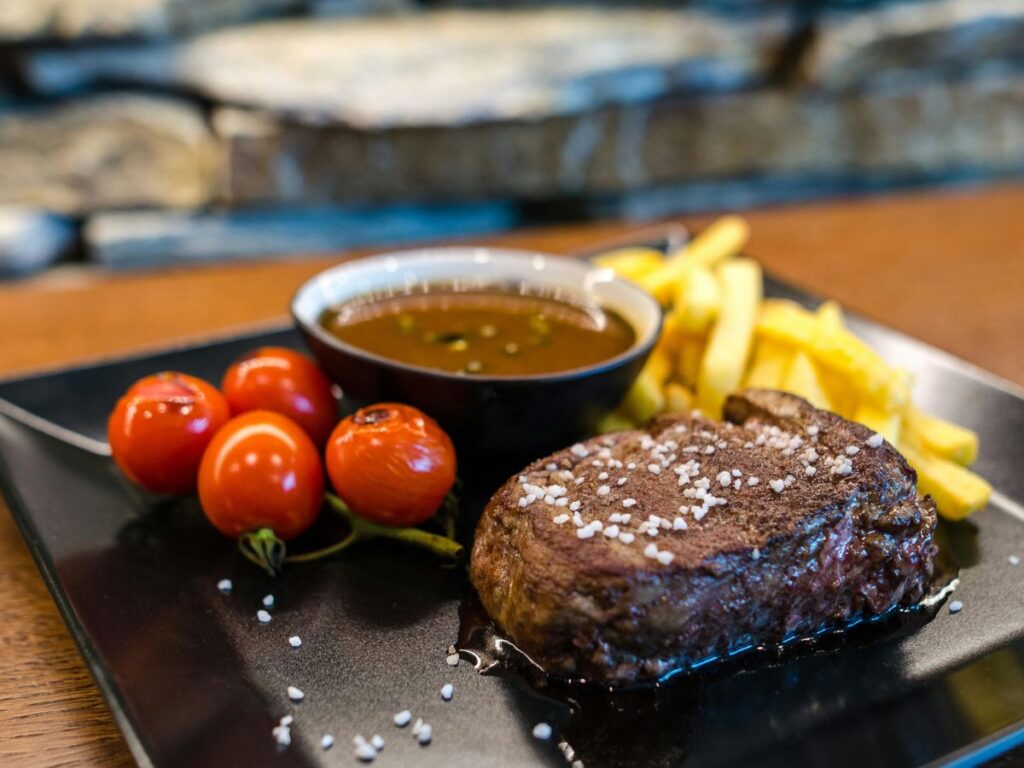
x: 261, y: 471
x: 160, y: 428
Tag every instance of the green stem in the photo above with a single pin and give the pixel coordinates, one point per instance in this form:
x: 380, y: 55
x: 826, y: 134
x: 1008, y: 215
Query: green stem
x: 317, y: 554
x: 263, y: 548
x: 448, y: 514
x: 364, y: 530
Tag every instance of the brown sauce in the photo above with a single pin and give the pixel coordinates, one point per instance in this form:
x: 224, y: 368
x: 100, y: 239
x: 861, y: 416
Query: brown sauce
x: 488, y: 331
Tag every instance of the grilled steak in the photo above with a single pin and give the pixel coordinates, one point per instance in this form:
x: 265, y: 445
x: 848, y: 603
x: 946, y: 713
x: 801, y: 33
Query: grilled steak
x: 639, y: 552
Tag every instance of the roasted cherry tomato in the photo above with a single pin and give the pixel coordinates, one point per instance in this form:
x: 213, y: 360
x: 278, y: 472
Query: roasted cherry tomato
x: 391, y: 464
x: 261, y: 470
x: 160, y: 427
x: 282, y: 380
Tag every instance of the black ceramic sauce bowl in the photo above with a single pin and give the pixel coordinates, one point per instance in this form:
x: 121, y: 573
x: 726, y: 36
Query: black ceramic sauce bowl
x: 498, y: 422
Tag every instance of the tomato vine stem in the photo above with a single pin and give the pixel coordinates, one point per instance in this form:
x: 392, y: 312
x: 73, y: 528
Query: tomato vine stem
x: 266, y: 550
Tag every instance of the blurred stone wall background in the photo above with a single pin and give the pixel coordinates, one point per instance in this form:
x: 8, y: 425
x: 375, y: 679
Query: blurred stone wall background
x: 139, y: 132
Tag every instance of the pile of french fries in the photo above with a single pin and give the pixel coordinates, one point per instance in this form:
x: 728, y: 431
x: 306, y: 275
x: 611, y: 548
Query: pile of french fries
x: 720, y: 335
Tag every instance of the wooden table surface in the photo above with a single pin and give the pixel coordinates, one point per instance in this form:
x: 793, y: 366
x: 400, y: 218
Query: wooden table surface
x: 946, y: 267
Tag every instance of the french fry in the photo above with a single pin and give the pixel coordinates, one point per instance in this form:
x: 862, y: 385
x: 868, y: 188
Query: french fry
x: 697, y: 299
x: 678, y: 399
x: 957, y: 491
x: 830, y: 314
x: 631, y: 263
x: 723, y: 238
x: 836, y: 349
x: 672, y: 336
x: 843, y: 398
x: 802, y: 378
x: 940, y: 437
x: 769, y: 365
x: 614, y: 422
x: 888, y: 423
x: 731, y: 338
x: 691, y: 351
x: 658, y: 366
x: 644, y: 399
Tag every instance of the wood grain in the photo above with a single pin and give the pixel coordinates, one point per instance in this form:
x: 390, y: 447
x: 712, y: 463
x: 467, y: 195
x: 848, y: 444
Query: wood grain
x: 946, y: 267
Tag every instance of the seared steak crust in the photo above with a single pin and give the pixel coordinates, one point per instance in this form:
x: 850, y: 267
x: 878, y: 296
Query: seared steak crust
x: 795, y: 520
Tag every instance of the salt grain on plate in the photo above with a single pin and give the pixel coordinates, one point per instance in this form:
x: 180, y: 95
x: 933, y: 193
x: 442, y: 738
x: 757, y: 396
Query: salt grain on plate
x: 425, y: 734
x: 295, y: 694
x: 327, y: 741
x: 377, y: 741
x: 366, y: 752
x: 263, y: 616
x: 1014, y: 560
x: 447, y: 691
x: 402, y: 718
x: 282, y: 735
x: 224, y: 586
x: 542, y: 731
x: 294, y: 641
x: 452, y: 660
x: 268, y: 601
x: 956, y: 606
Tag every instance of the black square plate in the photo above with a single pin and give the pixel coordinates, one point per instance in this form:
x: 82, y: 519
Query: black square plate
x: 194, y: 680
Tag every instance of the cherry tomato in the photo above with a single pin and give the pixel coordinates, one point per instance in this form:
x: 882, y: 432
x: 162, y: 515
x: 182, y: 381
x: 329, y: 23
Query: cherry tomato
x: 282, y: 380
x: 160, y: 427
x: 261, y: 470
x: 391, y: 464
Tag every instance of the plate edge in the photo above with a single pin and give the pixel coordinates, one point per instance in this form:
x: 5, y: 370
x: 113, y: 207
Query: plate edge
x: 48, y: 572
